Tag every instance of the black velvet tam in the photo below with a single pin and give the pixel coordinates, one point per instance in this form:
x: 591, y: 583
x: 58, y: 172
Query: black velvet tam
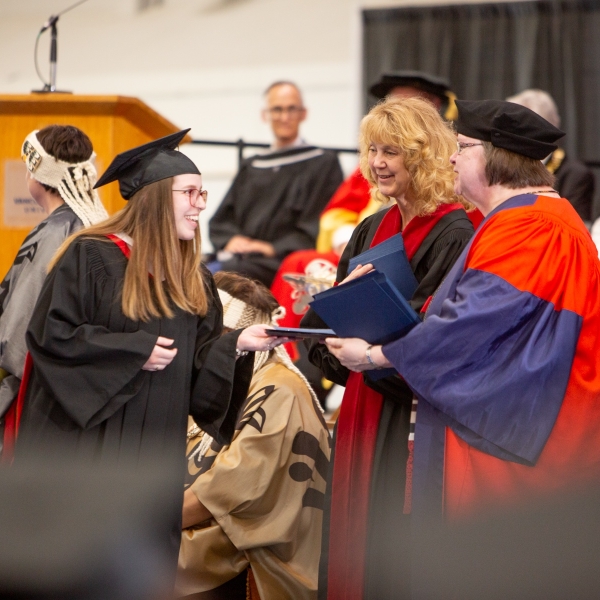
x: 431, y: 84
x: 507, y: 125
x: 148, y: 163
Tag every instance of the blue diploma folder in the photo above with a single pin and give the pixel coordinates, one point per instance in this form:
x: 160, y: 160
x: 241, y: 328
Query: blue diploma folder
x: 390, y: 258
x: 370, y: 308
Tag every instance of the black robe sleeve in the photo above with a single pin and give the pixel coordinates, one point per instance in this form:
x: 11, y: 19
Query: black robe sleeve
x: 61, y: 337
x: 221, y: 379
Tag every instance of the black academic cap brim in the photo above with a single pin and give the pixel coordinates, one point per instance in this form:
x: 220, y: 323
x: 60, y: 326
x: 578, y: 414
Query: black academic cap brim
x: 432, y: 84
x: 148, y: 163
x: 509, y: 126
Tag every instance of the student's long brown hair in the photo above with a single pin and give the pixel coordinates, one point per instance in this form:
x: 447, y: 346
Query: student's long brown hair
x: 175, y: 264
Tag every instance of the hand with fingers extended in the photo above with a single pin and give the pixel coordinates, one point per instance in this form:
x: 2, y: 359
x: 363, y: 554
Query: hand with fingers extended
x: 356, y: 273
x: 256, y: 339
x: 161, y: 356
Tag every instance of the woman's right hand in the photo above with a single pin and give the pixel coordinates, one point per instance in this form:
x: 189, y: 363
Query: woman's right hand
x: 358, y: 272
x: 161, y: 356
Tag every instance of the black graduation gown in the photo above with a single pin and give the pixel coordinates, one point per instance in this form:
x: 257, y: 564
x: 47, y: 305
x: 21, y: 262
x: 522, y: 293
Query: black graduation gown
x: 87, y: 393
x: 387, y: 573
x: 276, y: 198
x: 87, y: 397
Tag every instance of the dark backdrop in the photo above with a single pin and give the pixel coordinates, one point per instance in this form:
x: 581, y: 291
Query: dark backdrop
x: 497, y: 50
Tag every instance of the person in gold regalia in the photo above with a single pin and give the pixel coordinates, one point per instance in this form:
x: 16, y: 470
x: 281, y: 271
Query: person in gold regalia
x: 252, y: 513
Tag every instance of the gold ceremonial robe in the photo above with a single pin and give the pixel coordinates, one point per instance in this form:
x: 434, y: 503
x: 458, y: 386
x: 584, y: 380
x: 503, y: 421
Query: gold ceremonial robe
x: 265, y: 491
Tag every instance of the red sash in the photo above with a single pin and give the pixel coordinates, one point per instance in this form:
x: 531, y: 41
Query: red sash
x: 356, y: 438
x: 12, y: 418
x: 125, y: 249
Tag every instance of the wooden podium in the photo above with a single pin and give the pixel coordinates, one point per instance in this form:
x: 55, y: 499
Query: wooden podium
x: 113, y: 123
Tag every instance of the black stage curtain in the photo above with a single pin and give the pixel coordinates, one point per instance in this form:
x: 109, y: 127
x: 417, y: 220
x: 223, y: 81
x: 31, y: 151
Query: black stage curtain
x: 496, y: 50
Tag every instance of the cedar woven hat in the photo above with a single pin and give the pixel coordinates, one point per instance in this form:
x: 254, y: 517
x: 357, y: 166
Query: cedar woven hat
x: 148, y: 163
x: 508, y: 125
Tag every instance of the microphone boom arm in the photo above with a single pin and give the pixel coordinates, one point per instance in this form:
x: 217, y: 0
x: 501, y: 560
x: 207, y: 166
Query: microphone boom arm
x: 51, y: 24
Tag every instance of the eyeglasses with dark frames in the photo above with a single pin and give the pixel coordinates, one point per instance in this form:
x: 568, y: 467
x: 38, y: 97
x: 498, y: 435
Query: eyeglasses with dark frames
x: 460, y: 146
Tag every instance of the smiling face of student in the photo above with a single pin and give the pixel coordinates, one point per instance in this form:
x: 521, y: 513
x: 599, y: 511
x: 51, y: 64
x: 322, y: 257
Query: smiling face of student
x: 188, y: 203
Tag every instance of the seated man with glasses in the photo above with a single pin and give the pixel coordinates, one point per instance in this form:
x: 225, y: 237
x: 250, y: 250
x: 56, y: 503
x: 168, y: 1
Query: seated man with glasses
x: 274, y: 203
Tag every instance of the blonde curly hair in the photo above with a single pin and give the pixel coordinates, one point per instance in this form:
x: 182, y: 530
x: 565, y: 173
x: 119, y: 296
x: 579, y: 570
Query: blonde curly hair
x: 425, y: 141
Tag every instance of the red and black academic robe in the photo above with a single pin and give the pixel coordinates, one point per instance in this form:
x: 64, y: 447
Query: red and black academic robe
x: 368, y: 558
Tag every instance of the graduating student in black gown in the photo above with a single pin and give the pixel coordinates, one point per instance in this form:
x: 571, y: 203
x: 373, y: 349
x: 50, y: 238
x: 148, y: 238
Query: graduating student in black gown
x: 126, y: 338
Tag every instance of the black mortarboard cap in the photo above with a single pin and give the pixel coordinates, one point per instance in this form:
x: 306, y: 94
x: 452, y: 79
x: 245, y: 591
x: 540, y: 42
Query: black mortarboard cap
x: 508, y: 125
x: 148, y: 163
x: 438, y: 86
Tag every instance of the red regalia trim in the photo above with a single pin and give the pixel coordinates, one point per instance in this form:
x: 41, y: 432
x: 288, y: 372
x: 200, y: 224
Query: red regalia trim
x: 12, y: 418
x: 353, y: 195
x: 356, y: 438
x: 125, y: 249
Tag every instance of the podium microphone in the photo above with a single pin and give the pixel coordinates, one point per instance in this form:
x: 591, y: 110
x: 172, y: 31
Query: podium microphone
x: 50, y: 87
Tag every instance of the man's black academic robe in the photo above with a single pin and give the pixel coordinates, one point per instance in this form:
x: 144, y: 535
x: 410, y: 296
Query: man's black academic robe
x: 277, y: 198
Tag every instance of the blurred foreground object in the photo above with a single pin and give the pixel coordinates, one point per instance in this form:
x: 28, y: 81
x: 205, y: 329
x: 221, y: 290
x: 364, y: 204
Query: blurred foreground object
x: 547, y: 549
x: 74, y: 533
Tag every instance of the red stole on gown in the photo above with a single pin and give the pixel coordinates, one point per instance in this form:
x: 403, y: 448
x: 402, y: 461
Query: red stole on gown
x: 356, y: 438
x: 12, y: 419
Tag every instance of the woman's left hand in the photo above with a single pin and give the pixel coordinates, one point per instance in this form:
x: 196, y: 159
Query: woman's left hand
x: 255, y: 339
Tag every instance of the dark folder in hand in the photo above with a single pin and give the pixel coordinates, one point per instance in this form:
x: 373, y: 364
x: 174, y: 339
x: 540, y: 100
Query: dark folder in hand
x: 370, y: 308
x: 390, y: 258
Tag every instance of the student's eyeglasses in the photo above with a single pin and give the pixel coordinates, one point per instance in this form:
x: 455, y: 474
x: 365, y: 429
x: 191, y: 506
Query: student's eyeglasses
x: 193, y: 194
x: 460, y: 146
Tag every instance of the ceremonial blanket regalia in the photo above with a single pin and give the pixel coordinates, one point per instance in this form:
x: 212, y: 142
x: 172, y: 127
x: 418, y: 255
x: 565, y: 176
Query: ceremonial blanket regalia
x: 265, y: 491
